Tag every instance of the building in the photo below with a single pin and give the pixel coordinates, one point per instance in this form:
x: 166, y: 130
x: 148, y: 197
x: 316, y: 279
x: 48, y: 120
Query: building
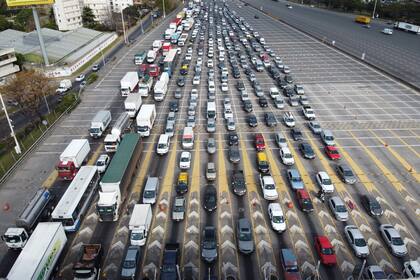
x: 101, y: 9
x: 117, y: 5
x: 68, y: 14
x: 7, y: 62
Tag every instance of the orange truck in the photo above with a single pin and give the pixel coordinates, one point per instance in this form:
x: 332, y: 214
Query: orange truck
x: 362, y: 19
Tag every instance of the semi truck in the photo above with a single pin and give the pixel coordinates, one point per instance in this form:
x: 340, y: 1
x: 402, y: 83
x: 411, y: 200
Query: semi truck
x: 407, y: 27
x: 139, y: 58
x: 40, y: 255
x: 129, y: 83
x: 88, y: 265
x: 117, y: 178
x: 16, y: 237
x: 139, y: 224
x: 145, y: 85
x: 161, y: 87
x: 64, y: 86
x: 72, y: 158
x: 100, y: 123
x: 145, y: 119
x: 113, y: 139
x: 132, y: 104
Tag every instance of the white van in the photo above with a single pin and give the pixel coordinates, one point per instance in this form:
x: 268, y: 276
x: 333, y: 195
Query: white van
x: 161, y: 87
x: 163, y: 144
x: 211, y: 110
x: 151, y: 190
x: 188, y: 138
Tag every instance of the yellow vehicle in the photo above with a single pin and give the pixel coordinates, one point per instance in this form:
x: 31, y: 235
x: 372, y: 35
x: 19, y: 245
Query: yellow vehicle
x: 182, y: 184
x: 362, y: 19
x: 184, y: 69
x: 262, y: 162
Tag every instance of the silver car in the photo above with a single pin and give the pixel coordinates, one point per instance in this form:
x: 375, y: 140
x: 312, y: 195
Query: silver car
x: 338, y: 208
x: 357, y: 241
x: 393, y: 240
x: 244, y: 236
x: 179, y: 209
x: 211, y: 146
x: 280, y: 140
x: 211, y: 125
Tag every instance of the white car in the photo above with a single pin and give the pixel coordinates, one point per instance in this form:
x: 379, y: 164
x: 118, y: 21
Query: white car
x: 194, y: 93
x: 163, y: 144
x: 268, y: 187
x: 387, y: 31
x: 275, y: 213
x: 308, y: 112
x: 393, y: 240
x: 221, y: 58
x: 185, y: 160
x: 230, y: 123
x: 188, y: 56
x: 338, y: 208
x: 212, y: 88
x: 286, y: 69
x: 102, y: 163
x: 80, y: 78
x: 199, y: 61
x: 196, y: 80
x: 280, y: 140
x: 357, y: 241
x: 274, y: 92
x: 210, y: 64
x: 286, y: 156
x: 324, y: 182
x: 289, y: 119
x: 228, y: 113
x: 299, y: 89
x: 225, y: 87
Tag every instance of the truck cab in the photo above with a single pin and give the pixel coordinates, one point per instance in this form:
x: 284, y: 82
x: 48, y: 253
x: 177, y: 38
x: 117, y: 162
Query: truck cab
x: 15, y: 238
x: 170, y: 263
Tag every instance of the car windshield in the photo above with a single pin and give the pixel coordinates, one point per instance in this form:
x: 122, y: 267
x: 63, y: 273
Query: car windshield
x: 179, y: 209
x: 245, y: 236
x: 327, y: 251
x: 278, y: 219
x: 341, y: 209
x: 326, y: 182
x: 184, y: 159
x: 129, y: 264
x: 149, y: 194
x: 296, y: 179
x: 360, y: 242
x: 348, y: 173
x: 379, y: 275
x: 209, y: 244
x: 334, y: 152
x: 292, y: 268
x: 397, y: 241
x: 287, y: 155
x: 270, y: 187
x: 100, y: 163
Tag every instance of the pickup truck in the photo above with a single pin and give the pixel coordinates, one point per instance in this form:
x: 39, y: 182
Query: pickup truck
x: 170, y: 262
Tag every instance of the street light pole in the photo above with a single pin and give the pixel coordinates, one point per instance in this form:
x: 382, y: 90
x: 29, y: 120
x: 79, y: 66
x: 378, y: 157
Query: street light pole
x: 374, y: 9
x: 17, y: 147
x: 46, y: 103
x: 164, y: 12
x: 123, y: 27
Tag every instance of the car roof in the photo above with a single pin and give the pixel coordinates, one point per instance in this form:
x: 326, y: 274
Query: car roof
x: 179, y: 200
x: 293, y: 172
x: 324, y: 241
x: 285, y: 150
x: 391, y: 230
x: 355, y: 231
x: 303, y: 193
x: 323, y: 175
x: 337, y: 200
x: 276, y: 208
x: 185, y: 154
x: 244, y: 223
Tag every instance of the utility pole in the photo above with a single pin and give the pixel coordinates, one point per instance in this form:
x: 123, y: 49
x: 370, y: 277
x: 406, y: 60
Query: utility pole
x: 123, y: 27
x: 164, y: 12
x: 17, y: 147
x: 374, y: 9
x: 41, y: 40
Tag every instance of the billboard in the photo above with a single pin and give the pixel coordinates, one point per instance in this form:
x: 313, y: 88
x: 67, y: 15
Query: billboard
x: 18, y: 3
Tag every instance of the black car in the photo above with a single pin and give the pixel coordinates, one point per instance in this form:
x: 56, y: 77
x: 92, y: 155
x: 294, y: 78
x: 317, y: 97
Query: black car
x: 209, y: 244
x: 210, y: 198
x: 181, y: 81
x: 234, y: 156
x: 233, y: 138
x: 289, y: 79
x: 307, y: 151
x: 170, y: 262
x: 248, y: 71
x: 247, y: 105
x: 372, y: 206
x: 275, y: 74
x: 282, y: 83
x: 270, y: 119
x: 240, y: 86
x: 173, y: 106
x: 263, y: 101
x: 236, y: 74
x: 296, y: 134
x: 238, y: 182
x: 288, y: 91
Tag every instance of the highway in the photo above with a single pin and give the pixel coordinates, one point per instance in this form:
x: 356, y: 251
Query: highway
x: 375, y: 122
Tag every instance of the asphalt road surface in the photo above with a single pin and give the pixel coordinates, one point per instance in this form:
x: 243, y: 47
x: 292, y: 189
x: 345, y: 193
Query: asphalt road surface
x: 375, y: 121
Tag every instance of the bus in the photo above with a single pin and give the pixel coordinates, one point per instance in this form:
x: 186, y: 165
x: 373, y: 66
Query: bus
x: 170, y: 61
x: 77, y: 199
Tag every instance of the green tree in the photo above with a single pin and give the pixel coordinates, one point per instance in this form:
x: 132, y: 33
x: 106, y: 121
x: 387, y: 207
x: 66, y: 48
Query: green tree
x: 133, y: 12
x: 88, y: 18
x: 4, y: 23
x: 24, y: 20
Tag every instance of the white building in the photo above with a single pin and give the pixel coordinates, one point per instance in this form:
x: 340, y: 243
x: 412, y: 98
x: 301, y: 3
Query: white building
x: 100, y: 8
x: 68, y: 14
x: 7, y: 59
x: 118, y: 4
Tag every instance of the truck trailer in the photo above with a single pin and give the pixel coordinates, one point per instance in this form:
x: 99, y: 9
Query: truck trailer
x: 16, y: 237
x: 129, y: 83
x: 100, y: 123
x: 132, y: 104
x: 72, y: 158
x: 113, y: 139
x: 145, y: 119
x: 40, y: 255
x: 161, y: 87
x: 117, y: 178
x: 139, y: 224
x: 407, y: 27
x: 89, y: 264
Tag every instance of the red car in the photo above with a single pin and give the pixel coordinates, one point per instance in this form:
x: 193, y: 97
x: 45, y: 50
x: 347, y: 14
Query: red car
x: 154, y: 70
x: 259, y: 142
x: 325, y: 250
x: 304, y: 200
x: 332, y: 152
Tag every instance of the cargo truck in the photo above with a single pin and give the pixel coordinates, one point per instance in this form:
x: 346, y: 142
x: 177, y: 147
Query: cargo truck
x: 139, y: 224
x: 145, y: 119
x: 161, y: 87
x: 88, y: 267
x: 16, y: 237
x: 132, y: 104
x: 113, y: 139
x: 362, y: 19
x: 64, y: 86
x: 72, y: 158
x: 139, y: 58
x: 100, y: 123
x: 129, y: 83
x: 40, y: 255
x: 407, y: 27
x: 145, y: 85
x: 117, y: 178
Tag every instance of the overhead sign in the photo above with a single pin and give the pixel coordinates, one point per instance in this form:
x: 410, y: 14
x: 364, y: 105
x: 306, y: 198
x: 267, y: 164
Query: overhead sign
x: 18, y: 3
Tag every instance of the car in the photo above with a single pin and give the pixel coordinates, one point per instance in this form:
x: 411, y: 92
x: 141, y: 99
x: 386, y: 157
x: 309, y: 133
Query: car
x: 131, y: 262
x: 252, y: 120
x: 191, y: 121
x: 211, y: 171
x: 296, y: 134
x: 209, y: 244
x: 210, y: 198
x: 288, y: 91
x: 247, y: 106
x: 289, y: 119
x: 357, y: 241
x: 276, y: 216
x: 259, y: 142
x: 210, y: 63
x: 306, y: 150
x: 374, y: 272
x: 293, y: 101
x: 102, y: 163
x: 230, y: 124
x: 181, y: 81
x: 411, y: 269
x: 393, y: 240
x: 182, y: 183
x: 372, y: 206
x: 303, y: 100
x: 185, y: 160
x: 233, y: 138
x: 199, y: 61
x: 211, y: 146
x: 308, y: 112
x: 387, y: 31
x: 295, y: 180
x: 244, y: 236
x: 188, y: 57
x: 289, y: 264
x: 324, y: 182
x: 234, y: 155
x: 279, y: 102
x: 211, y: 125
x: 270, y: 119
x: 224, y: 87
x: 178, y: 93
x: 325, y: 250
x: 332, y: 152
x: 170, y: 262
x: 80, y: 78
x: 286, y: 69
x: 240, y: 86
x: 286, y: 156
x: 304, y: 200
x: 268, y: 186
x: 169, y: 129
x: 315, y: 127
x: 338, y: 208
x: 178, y: 211
x: 327, y: 137
x: 238, y: 182
x: 258, y: 91
x: 228, y: 113
x: 196, y: 80
x: 96, y: 67
x: 173, y: 106
x: 299, y: 89
x: 288, y: 79
x: 346, y: 174
x: 171, y: 117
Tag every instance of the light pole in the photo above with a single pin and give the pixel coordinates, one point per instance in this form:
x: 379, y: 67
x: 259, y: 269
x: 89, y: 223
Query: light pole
x: 123, y: 27
x: 12, y: 133
x: 46, y: 103
x: 374, y: 9
x: 164, y: 12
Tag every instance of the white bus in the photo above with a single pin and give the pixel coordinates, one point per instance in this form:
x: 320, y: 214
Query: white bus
x: 77, y: 199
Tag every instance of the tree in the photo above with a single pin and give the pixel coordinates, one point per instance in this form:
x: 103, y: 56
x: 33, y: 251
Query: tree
x: 132, y: 12
x: 28, y: 89
x: 88, y: 18
x: 4, y: 23
x: 24, y: 20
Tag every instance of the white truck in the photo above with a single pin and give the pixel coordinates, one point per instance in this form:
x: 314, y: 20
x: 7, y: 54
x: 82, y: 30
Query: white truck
x: 113, y: 139
x: 188, y: 24
x: 72, y: 158
x: 145, y: 85
x: 129, y: 83
x: 64, y: 86
x: 40, y: 255
x: 16, y: 237
x: 139, y: 224
x: 100, y: 123
x: 407, y: 27
x: 151, y: 56
x: 157, y: 45
x: 168, y: 33
x: 132, y: 104
x: 145, y: 119
x: 161, y: 87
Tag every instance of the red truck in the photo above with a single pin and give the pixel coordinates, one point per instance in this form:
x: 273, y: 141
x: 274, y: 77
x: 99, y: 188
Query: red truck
x: 166, y: 48
x: 72, y: 158
x: 154, y: 70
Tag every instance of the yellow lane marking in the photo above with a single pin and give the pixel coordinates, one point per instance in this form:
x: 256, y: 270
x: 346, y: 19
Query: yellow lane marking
x: 144, y: 166
x: 408, y: 145
x: 398, y: 157
x: 95, y: 155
